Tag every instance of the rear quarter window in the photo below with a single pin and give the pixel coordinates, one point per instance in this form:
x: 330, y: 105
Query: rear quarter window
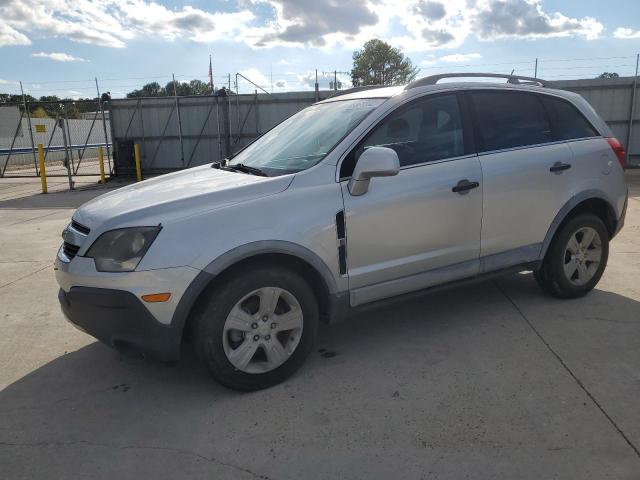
x: 567, y: 121
x: 510, y: 119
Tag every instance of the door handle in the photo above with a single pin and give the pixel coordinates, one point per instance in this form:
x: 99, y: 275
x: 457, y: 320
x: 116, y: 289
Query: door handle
x: 464, y: 186
x: 559, y: 167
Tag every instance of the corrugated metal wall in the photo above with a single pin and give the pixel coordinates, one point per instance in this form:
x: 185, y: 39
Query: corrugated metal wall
x: 169, y: 141
x: 182, y: 133
x: 612, y: 100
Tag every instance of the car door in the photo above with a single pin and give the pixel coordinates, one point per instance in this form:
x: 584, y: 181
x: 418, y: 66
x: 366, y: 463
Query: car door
x: 526, y: 175
x: 421, y: 227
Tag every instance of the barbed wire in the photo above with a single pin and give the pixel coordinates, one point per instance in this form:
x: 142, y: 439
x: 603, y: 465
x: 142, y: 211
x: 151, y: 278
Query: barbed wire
x: 291, y: 80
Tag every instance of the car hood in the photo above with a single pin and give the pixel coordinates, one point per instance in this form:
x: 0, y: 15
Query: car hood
x: 176, y: 195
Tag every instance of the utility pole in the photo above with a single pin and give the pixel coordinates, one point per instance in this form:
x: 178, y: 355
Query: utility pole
x: 335, y: 77
x: 535, y: 71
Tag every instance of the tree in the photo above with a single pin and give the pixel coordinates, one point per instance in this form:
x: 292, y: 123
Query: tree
x: 608, y: 75
x: 152, y: 89
x: 378, y: 63
x: 198, y: 87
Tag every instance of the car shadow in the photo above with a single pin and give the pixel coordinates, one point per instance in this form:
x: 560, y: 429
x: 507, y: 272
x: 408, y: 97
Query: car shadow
x: 96, y: 395
x: 97, y: 368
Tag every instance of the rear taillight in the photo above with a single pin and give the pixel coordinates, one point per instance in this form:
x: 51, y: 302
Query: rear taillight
x: 618, y: 149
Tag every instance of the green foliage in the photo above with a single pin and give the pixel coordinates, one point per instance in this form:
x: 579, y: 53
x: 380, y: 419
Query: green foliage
x: 608, y: 75
x: 51, y: 106
x: 154, y: 89
x: 378, y: 63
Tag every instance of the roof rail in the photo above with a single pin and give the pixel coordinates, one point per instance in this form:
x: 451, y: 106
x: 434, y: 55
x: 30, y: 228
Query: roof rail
x: 339, y: 93
x: 515, y: 79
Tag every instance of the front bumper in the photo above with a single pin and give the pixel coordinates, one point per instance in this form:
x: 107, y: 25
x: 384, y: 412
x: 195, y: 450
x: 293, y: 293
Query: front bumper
x: 119, y: 319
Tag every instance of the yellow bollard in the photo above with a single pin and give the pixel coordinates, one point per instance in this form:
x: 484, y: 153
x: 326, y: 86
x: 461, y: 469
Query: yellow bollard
x: 43, y: 173
x: 136, y: 156
x: 101, y: 164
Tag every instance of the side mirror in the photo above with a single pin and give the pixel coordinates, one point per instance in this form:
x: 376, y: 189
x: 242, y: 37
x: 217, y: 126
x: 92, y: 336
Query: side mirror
x: 374, y: 162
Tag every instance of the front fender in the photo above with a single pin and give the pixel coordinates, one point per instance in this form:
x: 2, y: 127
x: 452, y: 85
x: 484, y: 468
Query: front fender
x: 235, y: 255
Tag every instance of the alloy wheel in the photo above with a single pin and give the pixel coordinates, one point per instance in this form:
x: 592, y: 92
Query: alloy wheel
x: 262, y: 330
x: 582, y: 256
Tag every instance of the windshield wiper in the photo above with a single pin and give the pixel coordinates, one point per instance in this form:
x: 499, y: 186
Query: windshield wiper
x: 241, y: 167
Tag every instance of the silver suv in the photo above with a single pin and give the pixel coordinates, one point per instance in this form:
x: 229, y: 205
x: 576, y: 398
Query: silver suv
x: 245, y: 257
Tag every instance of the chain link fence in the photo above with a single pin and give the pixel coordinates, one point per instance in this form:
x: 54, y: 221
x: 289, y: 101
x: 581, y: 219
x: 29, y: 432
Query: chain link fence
x: 70, y: 133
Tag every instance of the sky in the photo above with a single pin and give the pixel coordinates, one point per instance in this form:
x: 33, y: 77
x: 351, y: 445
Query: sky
x: 58, y: 47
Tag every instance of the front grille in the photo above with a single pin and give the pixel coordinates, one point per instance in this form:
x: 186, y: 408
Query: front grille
x: 70, y: 250
x: 80, y: 228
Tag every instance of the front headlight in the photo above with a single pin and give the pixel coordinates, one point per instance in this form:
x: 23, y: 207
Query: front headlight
x: 122, y: 249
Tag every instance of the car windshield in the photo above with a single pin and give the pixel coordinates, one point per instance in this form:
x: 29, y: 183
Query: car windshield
x: 304, y: 139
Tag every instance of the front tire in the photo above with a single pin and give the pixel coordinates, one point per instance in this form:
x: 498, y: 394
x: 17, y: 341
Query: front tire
x: 576, y: 258
x: 255, y: 330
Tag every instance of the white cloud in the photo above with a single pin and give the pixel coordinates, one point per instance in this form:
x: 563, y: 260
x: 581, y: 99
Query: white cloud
x: 425, y: 24
x: 10, y: 36
x: 8, y: 82
x: 526, y: 19
x: 59, y: 57
x: 255, y: 76
x: 626, y: 33
x: 461, y: 57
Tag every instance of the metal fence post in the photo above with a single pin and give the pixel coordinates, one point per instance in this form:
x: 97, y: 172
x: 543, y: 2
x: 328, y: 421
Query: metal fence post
x: 257, y: 115
x: 632, y: 113
x: 175, y: 94
x: 66, y: 152
x: 218, y: 125
x: 104, y: 124
x: 68, y: 133
x: 225, y: 118
x: 26, y: 110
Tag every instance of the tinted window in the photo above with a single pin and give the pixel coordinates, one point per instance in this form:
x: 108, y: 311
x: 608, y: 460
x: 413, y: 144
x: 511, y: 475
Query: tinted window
x: 510, y: 119
x: 567, y: 121
x: 424, y: 131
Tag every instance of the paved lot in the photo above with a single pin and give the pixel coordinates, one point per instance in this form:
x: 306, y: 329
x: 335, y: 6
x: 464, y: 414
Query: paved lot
x: 493, y: 380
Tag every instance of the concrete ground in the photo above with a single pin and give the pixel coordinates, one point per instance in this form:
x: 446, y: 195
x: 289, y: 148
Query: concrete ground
x: 492, y: 380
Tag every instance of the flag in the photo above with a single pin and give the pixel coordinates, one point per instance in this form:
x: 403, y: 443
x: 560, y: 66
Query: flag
x: 210, y: 74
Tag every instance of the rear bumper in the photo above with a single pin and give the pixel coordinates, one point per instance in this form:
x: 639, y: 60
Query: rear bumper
x: 119, y: 319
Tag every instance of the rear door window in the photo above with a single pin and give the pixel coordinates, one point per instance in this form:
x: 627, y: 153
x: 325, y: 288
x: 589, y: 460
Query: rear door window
x: 568, y: 123
x: 509, y: 120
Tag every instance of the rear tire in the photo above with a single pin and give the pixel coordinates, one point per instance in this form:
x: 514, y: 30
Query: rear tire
x: 255, y: 330
x: 576, y: 258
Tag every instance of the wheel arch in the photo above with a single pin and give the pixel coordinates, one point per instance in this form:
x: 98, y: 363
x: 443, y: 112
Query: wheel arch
x: 293, y: 256
x: 591, y: 201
